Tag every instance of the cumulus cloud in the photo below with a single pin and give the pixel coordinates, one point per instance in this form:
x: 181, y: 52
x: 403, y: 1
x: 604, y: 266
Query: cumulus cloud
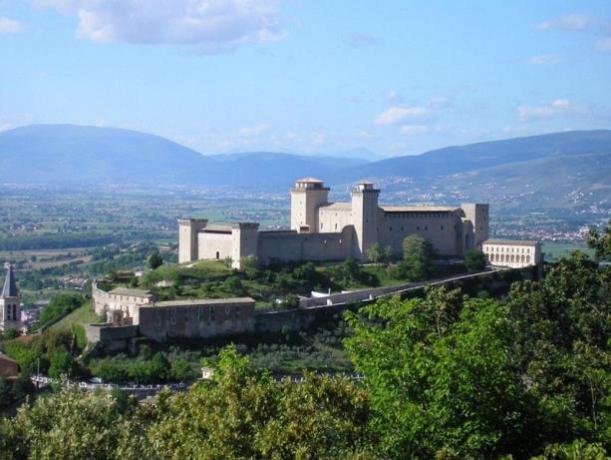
x: 398, y: 115
x: 209, y: 25
x: 415, y: 129
x: 10, y: 26
x: 544, y: 59
x: 556, y: 109
x: 255, y: 130
x: 569, y: 22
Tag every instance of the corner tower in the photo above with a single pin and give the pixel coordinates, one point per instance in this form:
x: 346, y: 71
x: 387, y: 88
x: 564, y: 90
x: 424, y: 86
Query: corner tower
x: 477, y: 214
x: 306, y: 197
x: 187, y: 238
x: 10, y: 304
x: 365, y: 217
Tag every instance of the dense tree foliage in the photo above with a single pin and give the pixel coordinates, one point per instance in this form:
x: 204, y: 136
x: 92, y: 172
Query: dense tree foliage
x: 475, y: 260
x: 241, y: 414
x: 601, y: 242
x: 60, y: 306
x: 478, y: 378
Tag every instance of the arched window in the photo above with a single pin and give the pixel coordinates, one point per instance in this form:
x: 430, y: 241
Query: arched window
x: 218, y: 255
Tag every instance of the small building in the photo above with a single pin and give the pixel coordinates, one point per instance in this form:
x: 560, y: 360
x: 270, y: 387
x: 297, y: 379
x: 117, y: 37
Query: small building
x: 512, y: 253
x: 8, y: 367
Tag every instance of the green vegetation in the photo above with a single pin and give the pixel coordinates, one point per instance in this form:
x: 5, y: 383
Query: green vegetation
x: 60, y: 306
x: 243, y: 413
x: 82, y: 315
x: 600, y: 242
x: 475, y: 260
x: 555, y: 251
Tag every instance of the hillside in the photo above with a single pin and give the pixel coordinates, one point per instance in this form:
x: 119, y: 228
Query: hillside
x: 561, y: 170
x: 71, y: 155
x: 464, y: 158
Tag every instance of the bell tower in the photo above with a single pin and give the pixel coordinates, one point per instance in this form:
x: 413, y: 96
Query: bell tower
x: 10, y: 302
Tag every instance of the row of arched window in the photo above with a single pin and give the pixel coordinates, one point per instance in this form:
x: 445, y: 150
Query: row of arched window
x: 508, y: 258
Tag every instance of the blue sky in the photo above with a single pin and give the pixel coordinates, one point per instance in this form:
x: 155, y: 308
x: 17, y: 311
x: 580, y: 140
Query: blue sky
x: 323, y: 77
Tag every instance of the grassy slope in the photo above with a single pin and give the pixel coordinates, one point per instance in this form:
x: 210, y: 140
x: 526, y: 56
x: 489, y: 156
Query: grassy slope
x: 82, y: 315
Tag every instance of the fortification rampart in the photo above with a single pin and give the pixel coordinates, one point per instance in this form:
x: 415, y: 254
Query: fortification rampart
x: 199, y: 319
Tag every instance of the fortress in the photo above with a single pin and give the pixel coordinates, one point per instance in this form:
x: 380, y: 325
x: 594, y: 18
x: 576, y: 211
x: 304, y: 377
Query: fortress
x: 324, y: 231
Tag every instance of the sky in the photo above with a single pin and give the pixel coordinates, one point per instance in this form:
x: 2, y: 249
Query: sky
x: 374, y: 79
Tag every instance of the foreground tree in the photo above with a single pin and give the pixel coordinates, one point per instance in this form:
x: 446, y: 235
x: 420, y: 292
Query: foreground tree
x: 601, y: 242
x: 441, y: 377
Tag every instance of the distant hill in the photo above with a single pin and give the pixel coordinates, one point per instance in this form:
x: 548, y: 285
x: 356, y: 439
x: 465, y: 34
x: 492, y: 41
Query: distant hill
x: 464, y: 158
x: 68, y: 154
x: 569, y: 169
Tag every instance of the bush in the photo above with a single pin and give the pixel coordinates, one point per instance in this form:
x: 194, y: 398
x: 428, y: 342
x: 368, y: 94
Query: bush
x: 60, y: 306
x: 475, y: 260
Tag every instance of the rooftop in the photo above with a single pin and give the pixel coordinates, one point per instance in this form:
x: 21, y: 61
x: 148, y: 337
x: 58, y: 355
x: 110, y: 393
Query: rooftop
x: 419, y: 208
x: 512, y: 242
x: 310, y: 180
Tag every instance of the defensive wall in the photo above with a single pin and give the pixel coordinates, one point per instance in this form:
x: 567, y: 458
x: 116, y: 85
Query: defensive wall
x: 290, y: 246
x: 217, y: 318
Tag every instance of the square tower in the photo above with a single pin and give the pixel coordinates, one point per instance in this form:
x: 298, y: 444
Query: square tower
x: 365, y: 212
x: 188, y: 230
x: 477, y: 214
x: 306, y: 197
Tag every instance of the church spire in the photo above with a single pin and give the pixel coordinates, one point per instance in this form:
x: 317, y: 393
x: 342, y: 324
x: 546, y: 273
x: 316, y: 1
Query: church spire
x: 10, y: 286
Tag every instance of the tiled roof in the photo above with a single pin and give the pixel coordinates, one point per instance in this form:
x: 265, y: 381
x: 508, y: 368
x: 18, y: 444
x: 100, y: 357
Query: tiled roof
x: 512, y: 242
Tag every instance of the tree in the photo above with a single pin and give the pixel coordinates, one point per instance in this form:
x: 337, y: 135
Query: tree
x: 62, y: 364
x: 475, y: 260
x: 601, y: 242
x: 417, y: 257
x: 154, y: 260
x: 441, y: 377
x: 374, y: 254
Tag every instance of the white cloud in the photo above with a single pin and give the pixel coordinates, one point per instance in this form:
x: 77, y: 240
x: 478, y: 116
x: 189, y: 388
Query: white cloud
x: 10, y: 26
x: 396, y: 115
x: 209, y: 25
x: 546, y: 59
x: 569, y: 22
x: 558, y: 108
x: 415, y: 129
x: 604, y: 44
x: 255, y: 130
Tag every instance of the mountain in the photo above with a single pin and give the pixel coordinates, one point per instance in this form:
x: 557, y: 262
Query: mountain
x: 69, y: 154
x: 459, y: 159
x: 561, y: 170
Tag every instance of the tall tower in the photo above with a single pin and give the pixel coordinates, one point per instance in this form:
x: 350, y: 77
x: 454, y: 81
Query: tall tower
x: 245, y: 240
x: 306, y: 197
x: 477, y: 214
x: 10, y: 305
x: 365, y: 217
x: 187, y: 238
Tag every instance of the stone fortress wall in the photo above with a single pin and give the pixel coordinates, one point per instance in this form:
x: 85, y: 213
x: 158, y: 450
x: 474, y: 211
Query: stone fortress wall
x: 325, y: 231
x: 130, y: 312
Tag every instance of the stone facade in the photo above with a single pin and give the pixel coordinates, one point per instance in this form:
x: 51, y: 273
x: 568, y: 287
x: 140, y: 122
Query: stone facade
x: 121, y: 305
x: 132, y: 312
x: 10, y: 302
x: 512, y: 253
x: 325, y: 231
